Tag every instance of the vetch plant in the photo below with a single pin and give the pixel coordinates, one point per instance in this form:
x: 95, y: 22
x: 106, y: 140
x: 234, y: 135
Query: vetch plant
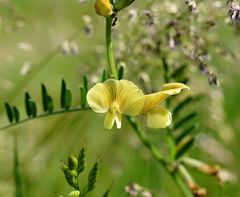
x: 115, y: 98
x: 121, y: 98
x: 72, y: 170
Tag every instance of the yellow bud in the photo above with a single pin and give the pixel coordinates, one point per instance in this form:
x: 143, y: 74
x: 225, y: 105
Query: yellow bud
x: 103, y: 7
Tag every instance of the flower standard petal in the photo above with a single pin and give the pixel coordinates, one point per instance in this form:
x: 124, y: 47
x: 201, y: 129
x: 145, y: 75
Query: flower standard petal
x: 159, y: 117
x: 129, y: 98
x: 174, y: 88
x: 152, y: 100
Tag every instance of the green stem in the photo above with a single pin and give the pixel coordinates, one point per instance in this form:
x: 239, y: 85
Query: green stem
x: 61, y: 111
x: 144, y: 139
x: 158, y: 156
x: 181, y: 185
x: 109, y: 51
x: 140, y: 133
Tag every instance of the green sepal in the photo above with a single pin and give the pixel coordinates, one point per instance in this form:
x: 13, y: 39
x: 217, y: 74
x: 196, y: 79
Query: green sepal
x: 122, y: 4
x: 120, y: 72
x: 104, y: 75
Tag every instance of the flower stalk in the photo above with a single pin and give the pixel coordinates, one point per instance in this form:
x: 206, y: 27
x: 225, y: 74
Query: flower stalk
x: 110, y: 58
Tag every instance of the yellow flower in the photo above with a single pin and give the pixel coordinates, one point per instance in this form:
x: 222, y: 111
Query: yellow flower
x: 157, y: 116
x: 115, y: 98
x: 103, y: 7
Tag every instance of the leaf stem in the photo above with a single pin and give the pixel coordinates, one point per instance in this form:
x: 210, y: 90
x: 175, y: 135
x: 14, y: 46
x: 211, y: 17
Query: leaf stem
x: 57, y: 112
x: 109, y: 52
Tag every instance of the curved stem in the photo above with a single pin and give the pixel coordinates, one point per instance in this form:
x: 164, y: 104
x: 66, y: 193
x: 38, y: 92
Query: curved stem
x: 109, y: 51
x: 61, y: 111
x: 144, y: 139
x: 158, y: 156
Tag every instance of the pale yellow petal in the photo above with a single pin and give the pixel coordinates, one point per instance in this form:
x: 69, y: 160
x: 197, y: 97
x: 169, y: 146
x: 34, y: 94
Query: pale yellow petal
x: 98, y: 98
x: 112, y: 117
x: 101, y: 96
x: 129, y: 98
x: 159, y: 118
x: 173, y: 88
x: 109, y: 120
x: 118, y: 119
x: 103, y: 7
x: 152, y: 100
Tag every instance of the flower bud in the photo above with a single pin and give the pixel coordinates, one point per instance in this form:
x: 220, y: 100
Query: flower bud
x: 74, y: 193
x: 121, y: 4
x: 72, y: 162
x: 103, y: 7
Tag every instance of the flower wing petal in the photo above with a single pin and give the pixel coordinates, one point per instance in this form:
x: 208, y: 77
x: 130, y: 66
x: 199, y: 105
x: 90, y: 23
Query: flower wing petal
x: 152, y: 100
x: 129, y: 98
x: 98, y: 98
x: 159, y: 117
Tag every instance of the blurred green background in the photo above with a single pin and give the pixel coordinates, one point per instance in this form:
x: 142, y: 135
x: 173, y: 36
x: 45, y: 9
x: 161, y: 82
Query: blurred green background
x: 31, y: 36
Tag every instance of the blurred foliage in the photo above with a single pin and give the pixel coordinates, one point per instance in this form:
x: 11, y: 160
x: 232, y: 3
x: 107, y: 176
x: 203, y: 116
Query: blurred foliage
x: 43, y: 42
